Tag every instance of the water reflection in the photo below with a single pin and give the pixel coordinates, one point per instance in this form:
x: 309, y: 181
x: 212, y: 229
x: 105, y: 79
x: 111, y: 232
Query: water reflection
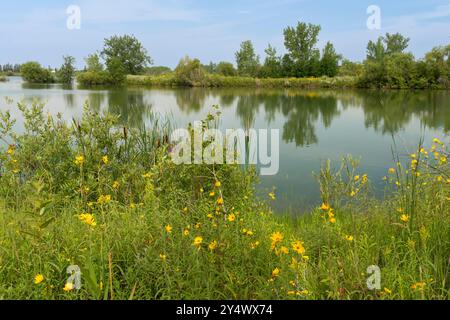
x: 315, y: 124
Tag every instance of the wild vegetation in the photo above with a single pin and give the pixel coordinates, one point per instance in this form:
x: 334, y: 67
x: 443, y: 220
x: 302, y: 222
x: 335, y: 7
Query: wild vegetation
x: 109, y: 199
x: 387, y: 65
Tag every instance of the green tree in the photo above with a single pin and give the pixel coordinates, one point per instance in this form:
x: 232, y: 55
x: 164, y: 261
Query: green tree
x: 300, y: 43
x: 93, y: 63
x: 395, y: 43
x: 272, y: 63
x: 116, y: 70
x: 329, y: 64
x: 33, y: 72
x: 129, y: 51
x: 246, y: 59
x: 351, y: 69
x: 67, y: 71
x: 189, y: 72
x: 226, y: 69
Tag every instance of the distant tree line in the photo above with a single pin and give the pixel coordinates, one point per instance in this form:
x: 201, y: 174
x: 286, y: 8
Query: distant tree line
x: 387, y: 64
x: 10, y: 69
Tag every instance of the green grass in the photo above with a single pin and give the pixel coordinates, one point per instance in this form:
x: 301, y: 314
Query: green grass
x: 146, y: 214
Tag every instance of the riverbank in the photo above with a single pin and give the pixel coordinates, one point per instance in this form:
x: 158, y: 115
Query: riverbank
x: 110, y: 200
x: 212, y: 80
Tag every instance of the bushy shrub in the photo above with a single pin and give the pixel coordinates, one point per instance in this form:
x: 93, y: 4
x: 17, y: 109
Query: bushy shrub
x: 91, y: 78
x: 189, y: 72
x: 33, y: 72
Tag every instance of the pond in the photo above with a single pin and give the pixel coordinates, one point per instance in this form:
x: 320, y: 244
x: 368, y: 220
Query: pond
x: 315, y: 125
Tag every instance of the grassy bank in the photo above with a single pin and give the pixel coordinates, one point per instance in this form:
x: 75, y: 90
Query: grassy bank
x: 3, y: 78
x: 110, y: 200
x: 214, y: 80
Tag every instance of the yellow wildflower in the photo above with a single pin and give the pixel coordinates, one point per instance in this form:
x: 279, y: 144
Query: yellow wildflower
x: 404, y: 218
x: 298, y: 247
x: 105, y: 159
x: 388, y: 291
x: 198, y: 241
x: 88, y: 219
x: 391, y: 170
x: 103, y: 199
x: 163, y: 257
x: 147, y: 175
x: 213, y: 245
x: 325, y: 207
x: 212, y: 194
x: 79, y: 160
x: 356, y: 178
x: 437, y: 141
x: 284, y: 250
x: 254, y: 245
x: 68, y: 287
x: 272, y: 196
x: 217, y: 184
x: 348, y: 238
x: 168, y: 228
x: 275, y: 273
x: 11, y: 150
x: 276, y: 237
x: 185, y: 232
x: 232, y: 217
x: 220, y: 201
x: 418, y: 286
x: 333, y: 220
x: 116, y: 185
x: 38, y: 278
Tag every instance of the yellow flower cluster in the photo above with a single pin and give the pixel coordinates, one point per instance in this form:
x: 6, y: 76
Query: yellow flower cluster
x: 88, y: 219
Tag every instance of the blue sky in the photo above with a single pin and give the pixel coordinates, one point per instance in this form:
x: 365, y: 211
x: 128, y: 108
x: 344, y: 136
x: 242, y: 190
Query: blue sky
x: 210, y: 30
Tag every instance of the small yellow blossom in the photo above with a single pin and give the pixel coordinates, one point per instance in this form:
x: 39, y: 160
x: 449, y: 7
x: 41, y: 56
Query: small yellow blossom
x: 325, y: 207
x: 88, y: 219
x: 254, y: 245
x: 418, y: 286
x: 272, y: 195
x: 38, y: 278
x: 332, y: 220
x: 391, y: 170
x: 212, y: 194
x: 232, y: 217
x: 198, y: 241
x: 388, y: 291
x: 275, y: 273
x: 298, y: 247
x: 68, y: 287
x: 147, y: 175
x: 217, y: 184
x: 404, y: 218
x: 79, y: 160
x: 163, y: 257
x: 276, y: 237
x: 213, y: 245
x: 168, y: 228
x: 105, y: 159
x: 348, y: 238
x: 220, y: 201
x: 103, y: 199
x: 116, y: 185
x: 11, y: 150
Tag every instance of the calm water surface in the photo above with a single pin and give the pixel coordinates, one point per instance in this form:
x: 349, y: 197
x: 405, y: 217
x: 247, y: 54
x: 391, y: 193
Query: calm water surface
x: 315, y: 125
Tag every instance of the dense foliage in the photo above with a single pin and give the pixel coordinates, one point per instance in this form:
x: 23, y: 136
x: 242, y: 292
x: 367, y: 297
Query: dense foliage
x: 109, y: 200
x: 127, y: 50
x: 33, y: 72
x: 67, y: 71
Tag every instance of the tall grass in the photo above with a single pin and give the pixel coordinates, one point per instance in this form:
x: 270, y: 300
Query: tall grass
x: 110, y: 200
